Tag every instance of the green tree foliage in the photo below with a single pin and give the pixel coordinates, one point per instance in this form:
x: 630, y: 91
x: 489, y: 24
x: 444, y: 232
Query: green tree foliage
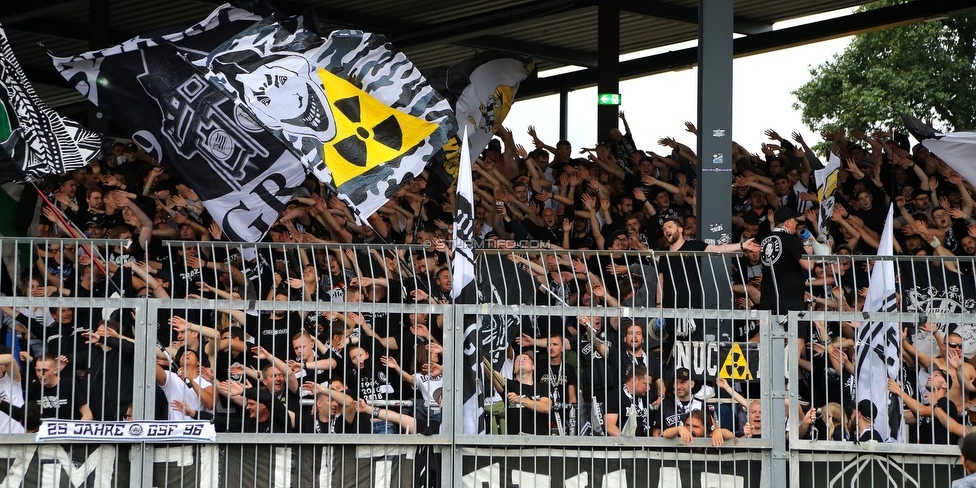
x: 925, y: 70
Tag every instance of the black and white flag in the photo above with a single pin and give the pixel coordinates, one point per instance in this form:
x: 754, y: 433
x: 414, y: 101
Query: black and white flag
x: 878, y: 344
x: 463, y: 291
x: 243, y: 174
x: 35, y: 140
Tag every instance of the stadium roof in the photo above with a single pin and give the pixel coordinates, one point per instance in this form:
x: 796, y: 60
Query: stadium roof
x: 556, y: 32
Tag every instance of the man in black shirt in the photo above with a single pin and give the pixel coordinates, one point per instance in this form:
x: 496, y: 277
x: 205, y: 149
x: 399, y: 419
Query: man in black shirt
x: 528, y: 403
x: 678, y: 403
x: 560, y: 379
x: 784, y: 267
x: 627, y: 411
x: 57, y: 397
x: 681, y: 284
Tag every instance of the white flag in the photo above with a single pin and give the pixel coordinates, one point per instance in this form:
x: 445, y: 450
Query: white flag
x: 463, y: 234
x: 958, y: 150
x: 878, y: 345
x: 827, y: 184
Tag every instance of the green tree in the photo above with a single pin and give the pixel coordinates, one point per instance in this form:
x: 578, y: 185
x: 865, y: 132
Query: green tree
x: 924, y: 69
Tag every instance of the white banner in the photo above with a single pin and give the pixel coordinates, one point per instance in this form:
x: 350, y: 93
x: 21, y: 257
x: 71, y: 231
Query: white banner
x: 144, y: 431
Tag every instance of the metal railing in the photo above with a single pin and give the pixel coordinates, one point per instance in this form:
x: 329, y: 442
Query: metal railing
x: 529, y: 300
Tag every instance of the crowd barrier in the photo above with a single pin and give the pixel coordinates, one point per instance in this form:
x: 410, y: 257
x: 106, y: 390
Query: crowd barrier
x: 520, y: 297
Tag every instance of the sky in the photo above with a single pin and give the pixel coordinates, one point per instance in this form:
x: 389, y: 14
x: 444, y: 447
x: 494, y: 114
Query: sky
x: 657, y: 106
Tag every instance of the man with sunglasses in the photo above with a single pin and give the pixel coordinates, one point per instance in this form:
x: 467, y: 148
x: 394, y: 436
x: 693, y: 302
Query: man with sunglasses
x: 965, y: 370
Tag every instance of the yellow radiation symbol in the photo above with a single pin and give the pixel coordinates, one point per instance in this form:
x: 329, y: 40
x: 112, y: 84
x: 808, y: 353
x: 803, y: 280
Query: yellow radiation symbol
x: 368, y: 132
x: 735, y: 365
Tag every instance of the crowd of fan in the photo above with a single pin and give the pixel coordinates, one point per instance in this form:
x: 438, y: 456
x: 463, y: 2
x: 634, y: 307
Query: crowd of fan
x: 310, y: 368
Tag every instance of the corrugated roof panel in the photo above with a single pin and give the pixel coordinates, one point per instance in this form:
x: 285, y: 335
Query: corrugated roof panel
x: 566, y: 26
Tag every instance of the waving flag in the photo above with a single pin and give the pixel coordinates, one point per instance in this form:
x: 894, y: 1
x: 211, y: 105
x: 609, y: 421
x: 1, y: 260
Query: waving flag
x: 463, y: 291
x: 353, y: 107
x: 827, y: 179
x: 878, y: 344
x: 34, y: 140
x: 481, y: 90
x: 242, y: 173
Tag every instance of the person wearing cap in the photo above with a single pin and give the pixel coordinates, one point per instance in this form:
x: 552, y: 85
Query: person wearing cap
x: 784, y: 267
x: 678, y: 403
x: 862, y: 421
x: 967, y: 454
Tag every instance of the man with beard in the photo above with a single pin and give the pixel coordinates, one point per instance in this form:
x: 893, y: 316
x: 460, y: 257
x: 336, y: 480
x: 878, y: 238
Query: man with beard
x: 676, y: 406
x: 560, y: 379
x: 680, y: 278
x: 628, y: 407
x: 96, y: 206
x: 528, y: 404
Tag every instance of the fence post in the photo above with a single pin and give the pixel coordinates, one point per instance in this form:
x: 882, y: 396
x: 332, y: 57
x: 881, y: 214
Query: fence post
x: 773, y: 394
x: 143, y: 394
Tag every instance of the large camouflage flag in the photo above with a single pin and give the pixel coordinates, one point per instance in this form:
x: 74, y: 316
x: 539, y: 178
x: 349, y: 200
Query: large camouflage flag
x: 242, y: 173
x: 34, y: 140
x: 353, y: 108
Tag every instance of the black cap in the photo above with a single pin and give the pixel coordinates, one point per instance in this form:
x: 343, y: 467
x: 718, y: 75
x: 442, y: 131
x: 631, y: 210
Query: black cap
x: 682, y: 374
x: 750, y: 218
x: 967, y: 447
x: 784, y: 214
x: 96, y: 220
x: 494, y: 145
x: 867, y: 409
x: 131, y: 147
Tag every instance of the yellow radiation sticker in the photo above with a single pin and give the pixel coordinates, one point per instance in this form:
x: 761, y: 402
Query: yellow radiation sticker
x: 368, y: 132
x: 735, y: 366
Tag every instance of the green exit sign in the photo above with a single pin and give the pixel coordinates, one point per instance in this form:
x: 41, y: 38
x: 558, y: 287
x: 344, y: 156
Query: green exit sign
x: 609, y: 99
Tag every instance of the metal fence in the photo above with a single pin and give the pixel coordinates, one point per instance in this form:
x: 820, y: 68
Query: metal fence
x: 604, y: 380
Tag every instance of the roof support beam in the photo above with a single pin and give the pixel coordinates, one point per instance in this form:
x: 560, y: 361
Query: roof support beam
x: 687, y: 15
x: 872, y: 20
x: 26, y: 10
x: 485, y: 23
x: 544, y: 51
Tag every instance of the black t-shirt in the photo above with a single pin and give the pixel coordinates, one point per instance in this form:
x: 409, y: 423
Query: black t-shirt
x: 274, y: 334
x: 941, y: 434
x: 674, y: 411
x: 620, y: 404
x: 782, y: 284
x: 61, y: 401
x: 557, y: 379
x: 682, y: 286
x: 594, y: 377
x: 524, y: 420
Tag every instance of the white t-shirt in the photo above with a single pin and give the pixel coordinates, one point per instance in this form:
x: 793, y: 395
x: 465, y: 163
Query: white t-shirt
x: 11, y: 393
x: 427, y: 385
x: 176, y: 389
